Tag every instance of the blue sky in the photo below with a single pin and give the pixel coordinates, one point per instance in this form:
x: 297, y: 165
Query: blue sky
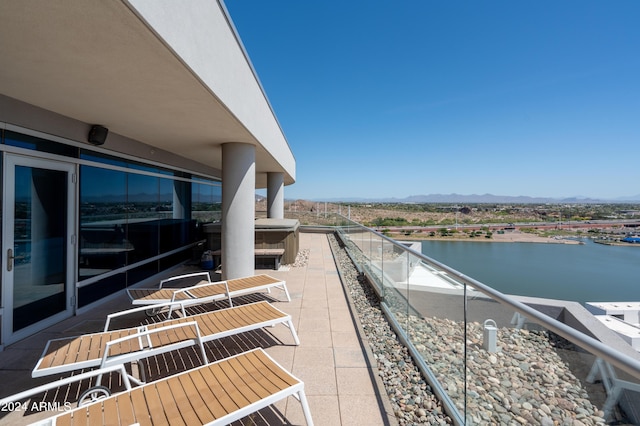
x: 392, y: 99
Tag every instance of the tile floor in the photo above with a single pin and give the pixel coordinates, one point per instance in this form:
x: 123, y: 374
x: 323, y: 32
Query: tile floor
x: 340, y: 381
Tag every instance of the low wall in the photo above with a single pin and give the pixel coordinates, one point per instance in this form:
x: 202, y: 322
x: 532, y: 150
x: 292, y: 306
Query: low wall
x: 269, y: 234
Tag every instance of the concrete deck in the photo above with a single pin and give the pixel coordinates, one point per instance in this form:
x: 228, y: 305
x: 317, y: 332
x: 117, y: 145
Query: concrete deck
x: 340, y: 381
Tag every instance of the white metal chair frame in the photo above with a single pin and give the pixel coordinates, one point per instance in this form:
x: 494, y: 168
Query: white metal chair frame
x: 296, y: 390
x: 173, y: 307
x: 194, y: 299
x: 145, y: 350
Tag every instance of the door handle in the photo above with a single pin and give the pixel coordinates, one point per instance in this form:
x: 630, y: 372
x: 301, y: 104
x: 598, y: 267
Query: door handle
x: 10, y: 258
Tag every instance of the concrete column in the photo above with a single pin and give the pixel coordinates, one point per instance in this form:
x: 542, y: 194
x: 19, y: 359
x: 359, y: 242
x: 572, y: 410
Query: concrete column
x: 275, y: 195
x: 238, y: 209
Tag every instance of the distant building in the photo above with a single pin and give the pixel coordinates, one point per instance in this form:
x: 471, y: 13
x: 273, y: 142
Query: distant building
x: 631, y: 239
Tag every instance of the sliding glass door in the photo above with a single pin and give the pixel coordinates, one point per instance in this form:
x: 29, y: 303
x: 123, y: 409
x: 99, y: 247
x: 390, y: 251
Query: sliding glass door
x: 38, y: 242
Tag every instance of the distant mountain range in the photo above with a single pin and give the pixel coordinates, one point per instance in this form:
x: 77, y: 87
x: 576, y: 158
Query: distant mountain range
x: 485, y: 198
x: 416, y: 199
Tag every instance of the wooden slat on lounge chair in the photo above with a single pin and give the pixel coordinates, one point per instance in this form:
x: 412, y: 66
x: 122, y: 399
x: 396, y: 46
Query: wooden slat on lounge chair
x: 218, y: 393
x: 124, y: 414
x: 73, y: 353
x: 111, y: 412
x: 65, y: 421
x: 73, y: 350
x: 157, y: 295
x: 98, y: 413
x: 207, y: 292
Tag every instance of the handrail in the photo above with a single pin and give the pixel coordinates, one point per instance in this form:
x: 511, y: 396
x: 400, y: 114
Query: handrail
x: 616, y: 358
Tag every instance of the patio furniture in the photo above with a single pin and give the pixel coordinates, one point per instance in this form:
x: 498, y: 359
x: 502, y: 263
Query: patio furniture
x: 133, y: 344
x: 213, y: 394
x: 206, y: 292
x: 206, y: 278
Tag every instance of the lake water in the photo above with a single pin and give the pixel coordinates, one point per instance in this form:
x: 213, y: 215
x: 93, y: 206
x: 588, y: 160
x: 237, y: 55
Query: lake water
x: 582, y: 273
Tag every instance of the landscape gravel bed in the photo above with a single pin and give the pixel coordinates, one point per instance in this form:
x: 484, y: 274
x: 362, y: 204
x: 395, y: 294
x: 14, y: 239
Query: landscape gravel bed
x: 527, y: 381
x: 411, y: 398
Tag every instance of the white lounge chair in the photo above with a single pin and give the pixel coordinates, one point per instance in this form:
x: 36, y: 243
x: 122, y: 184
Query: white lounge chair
x: 133, y: 344
x: 207, y: 291
x: 214, y: 394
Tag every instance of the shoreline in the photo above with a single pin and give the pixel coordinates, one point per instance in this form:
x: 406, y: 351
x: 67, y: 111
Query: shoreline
x: 510, y: 237
x: 616, y: 243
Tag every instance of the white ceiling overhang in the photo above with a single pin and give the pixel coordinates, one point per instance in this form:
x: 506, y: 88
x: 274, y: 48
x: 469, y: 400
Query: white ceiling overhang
x: 102, y: 62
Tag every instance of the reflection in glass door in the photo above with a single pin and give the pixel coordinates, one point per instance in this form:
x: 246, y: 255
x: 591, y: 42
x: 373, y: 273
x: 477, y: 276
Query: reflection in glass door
x: 38, y: 230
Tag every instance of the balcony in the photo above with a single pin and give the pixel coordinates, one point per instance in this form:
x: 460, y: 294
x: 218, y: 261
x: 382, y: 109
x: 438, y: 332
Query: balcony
x: 340, y: 380
x: 394, y: 337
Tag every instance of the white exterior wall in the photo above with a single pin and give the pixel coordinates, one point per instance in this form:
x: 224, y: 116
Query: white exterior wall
x: 168, y: 78
x: 208, y: 48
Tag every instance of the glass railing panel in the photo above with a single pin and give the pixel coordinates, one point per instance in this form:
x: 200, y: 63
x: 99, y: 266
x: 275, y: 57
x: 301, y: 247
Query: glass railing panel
x: 396, y: 281
x: 614, y: 392
x: 364, y: 243
x: 373, y: 252
x: 435, y: 325
x: 394, y: 263
x: 356, y: 237
x: 411, y: 267
x: 418, y: 296
x: 488, y: 362
x: 358, y: 244
x: 502, y: 372
x: 347, y: 232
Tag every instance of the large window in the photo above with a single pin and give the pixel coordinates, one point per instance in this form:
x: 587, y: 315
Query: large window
x: 38, y: 144
x: 127, y: 217
x: 137, y: 222
x: 207, y: 201
x: 103, y: 218
x: 135, y: 219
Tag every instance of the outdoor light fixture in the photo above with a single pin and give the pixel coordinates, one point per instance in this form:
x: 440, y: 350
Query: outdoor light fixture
x: 97, y: 134
x: 489, y: 336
